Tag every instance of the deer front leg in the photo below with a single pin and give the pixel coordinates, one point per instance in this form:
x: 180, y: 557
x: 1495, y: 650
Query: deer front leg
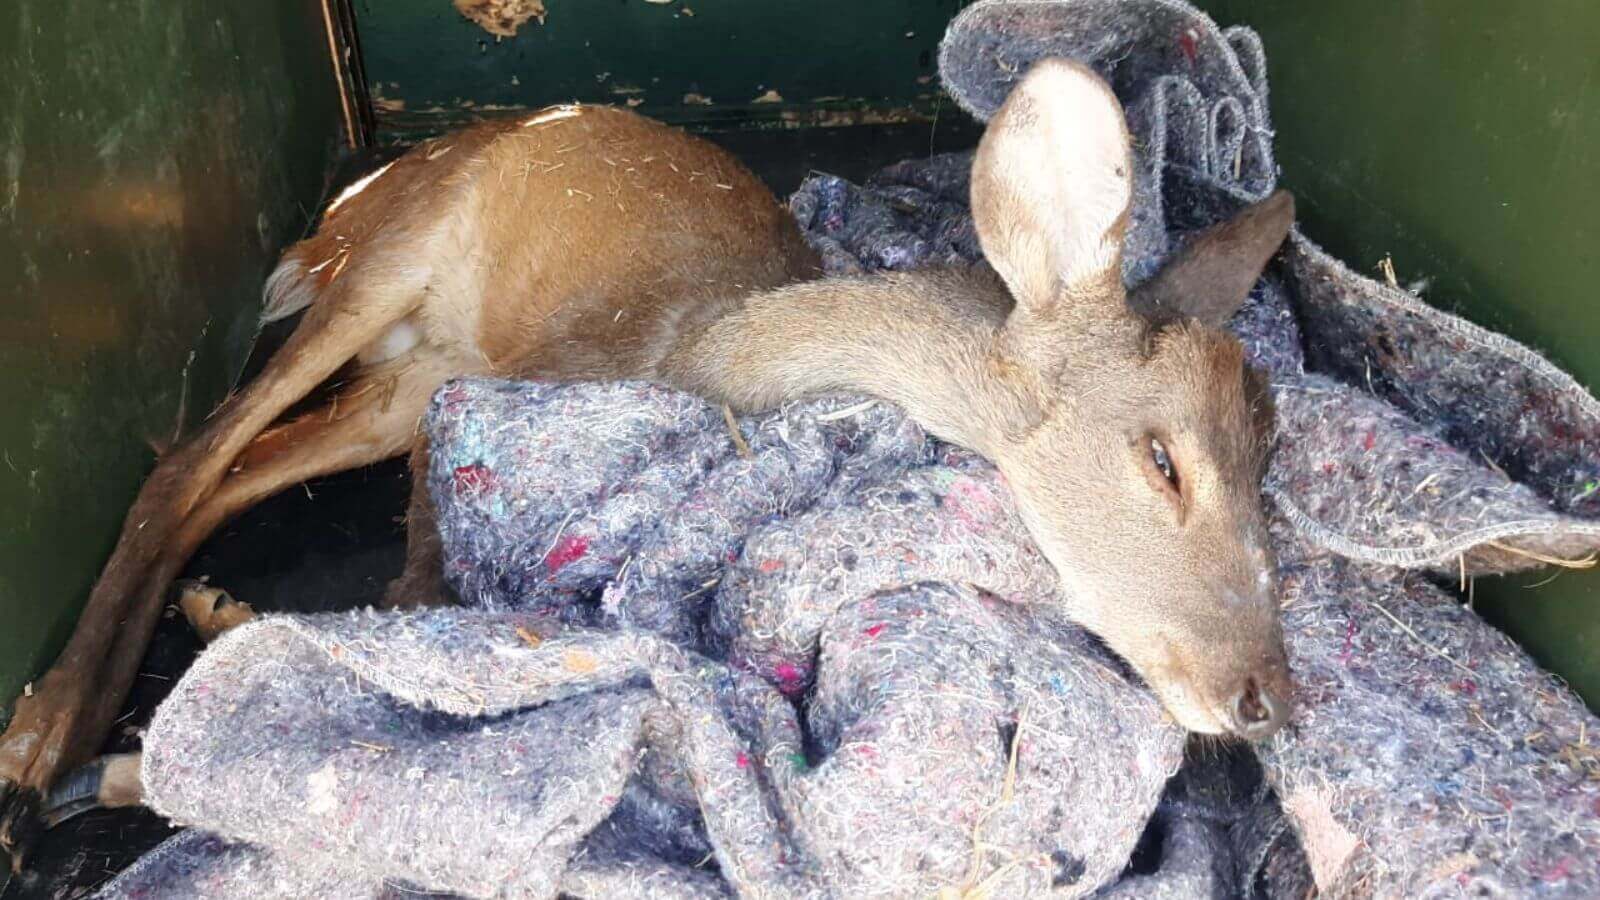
x: 422, y: 582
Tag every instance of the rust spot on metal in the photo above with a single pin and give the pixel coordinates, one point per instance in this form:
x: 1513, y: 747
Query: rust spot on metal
x: 501, y: 18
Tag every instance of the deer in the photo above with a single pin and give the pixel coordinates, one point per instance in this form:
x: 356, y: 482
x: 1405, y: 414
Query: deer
x: 591, y: 243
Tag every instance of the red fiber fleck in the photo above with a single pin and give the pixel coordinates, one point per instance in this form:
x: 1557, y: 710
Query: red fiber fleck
x: 1370, y: 440
x: 742, y: 760
x: 768, y: 566
x: 1466, y: 686
x: 1349, y: 641
x: 567, y: 550
x: 1189, y: 46
x: 473, y: 479
x: 973, y: 504
x: 791, y: 679
x: 1502, y: 795
x: 1559, y: 871
x: 874, y: 631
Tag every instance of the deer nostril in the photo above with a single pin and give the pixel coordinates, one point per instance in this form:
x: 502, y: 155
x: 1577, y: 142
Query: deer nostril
x: 1257, y: 714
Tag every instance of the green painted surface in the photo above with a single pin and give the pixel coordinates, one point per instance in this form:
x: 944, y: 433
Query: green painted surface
x: 154, y: 157
x: 432, y: 69
x: 1463, y: 138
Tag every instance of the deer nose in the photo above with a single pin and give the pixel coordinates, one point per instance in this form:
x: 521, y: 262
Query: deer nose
x: 1258, y: 712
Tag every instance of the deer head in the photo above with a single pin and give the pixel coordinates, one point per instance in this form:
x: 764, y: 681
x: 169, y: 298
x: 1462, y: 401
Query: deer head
x: 1127, y: 424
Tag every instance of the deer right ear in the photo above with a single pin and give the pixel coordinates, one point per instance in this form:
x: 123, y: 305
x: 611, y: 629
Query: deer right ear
x: 1051, y: 186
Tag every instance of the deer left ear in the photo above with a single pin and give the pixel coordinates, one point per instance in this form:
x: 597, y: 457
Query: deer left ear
x: 1210, y: 278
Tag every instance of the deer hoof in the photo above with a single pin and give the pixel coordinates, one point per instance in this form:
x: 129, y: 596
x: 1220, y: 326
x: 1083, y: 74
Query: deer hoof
x: 20, y: 825
x: 106, y: 783
x: 210, y: 610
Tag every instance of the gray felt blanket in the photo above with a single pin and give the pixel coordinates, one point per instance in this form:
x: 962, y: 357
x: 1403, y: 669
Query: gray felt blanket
x: 835, y: 667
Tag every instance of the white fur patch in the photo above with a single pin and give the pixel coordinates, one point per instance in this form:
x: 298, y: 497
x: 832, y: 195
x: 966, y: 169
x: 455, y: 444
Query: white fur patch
x: 288, y: 290
x: 553, y: 114
x: 360, y: 185
x: 399, y: 339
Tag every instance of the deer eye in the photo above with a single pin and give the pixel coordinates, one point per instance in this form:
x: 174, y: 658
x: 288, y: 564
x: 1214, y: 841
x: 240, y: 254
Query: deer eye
x: 1163, y: 461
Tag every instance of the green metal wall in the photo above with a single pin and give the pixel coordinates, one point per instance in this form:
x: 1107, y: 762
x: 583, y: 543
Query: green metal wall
x: 154, y: 157
x: 828, y: 60
x: 1462, y: 137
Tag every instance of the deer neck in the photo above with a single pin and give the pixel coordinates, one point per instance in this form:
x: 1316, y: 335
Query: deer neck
x: 930, y: 341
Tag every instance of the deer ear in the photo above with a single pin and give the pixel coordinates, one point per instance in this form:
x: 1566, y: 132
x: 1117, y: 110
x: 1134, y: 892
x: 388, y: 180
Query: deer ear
x: 1210, y: 278
x: 1051, y: 185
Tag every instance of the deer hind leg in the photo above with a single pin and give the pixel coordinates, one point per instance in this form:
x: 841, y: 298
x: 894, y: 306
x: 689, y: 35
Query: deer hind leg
x: 72, y: 706
x: 373, y: 420
x: 376, y: 419
x: 115, y: 780
x: 422, y: 583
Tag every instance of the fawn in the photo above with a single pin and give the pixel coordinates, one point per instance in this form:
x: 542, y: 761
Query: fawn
x: 592, y: 243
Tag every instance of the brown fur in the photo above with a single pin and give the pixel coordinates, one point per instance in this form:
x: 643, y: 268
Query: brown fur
x: 1062, y: 379
x: 589, y: 243
x: 556, y: 245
